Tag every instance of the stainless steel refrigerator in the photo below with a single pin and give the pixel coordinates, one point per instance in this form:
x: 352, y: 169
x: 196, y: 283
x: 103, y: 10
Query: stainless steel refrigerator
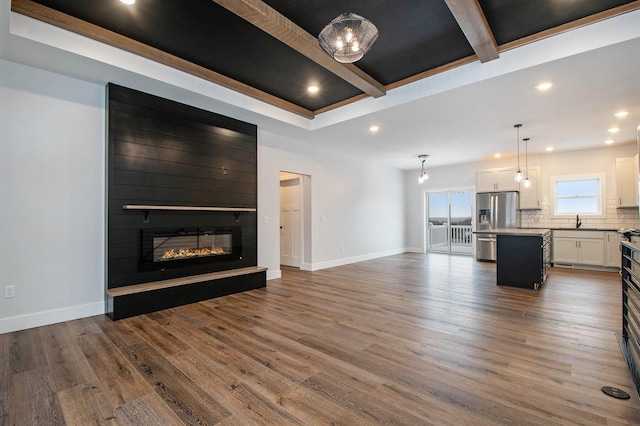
x: 494, y: 210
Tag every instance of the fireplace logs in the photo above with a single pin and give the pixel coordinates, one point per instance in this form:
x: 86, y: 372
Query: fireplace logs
x: 184, y: 253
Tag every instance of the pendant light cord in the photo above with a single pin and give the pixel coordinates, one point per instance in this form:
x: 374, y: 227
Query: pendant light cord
x: 517, y: 126
x: 519, y: 172
x: 526, y: 157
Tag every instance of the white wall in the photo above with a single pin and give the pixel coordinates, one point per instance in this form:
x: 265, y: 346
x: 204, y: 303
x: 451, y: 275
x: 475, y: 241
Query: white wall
x: 600, y: 160
x: 363, y: 204
x: 580, y: 162
x: 52, y: 197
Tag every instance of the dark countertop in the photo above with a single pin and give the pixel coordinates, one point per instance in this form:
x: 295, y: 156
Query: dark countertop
x: 515, y: 231
x: 632, y: 246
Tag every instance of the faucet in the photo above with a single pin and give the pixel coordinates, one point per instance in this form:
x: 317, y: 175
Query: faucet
x: 578, y: 221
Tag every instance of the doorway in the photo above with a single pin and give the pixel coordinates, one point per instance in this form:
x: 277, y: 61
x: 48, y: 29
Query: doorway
x: 449, y: 227
x: 291, y: 219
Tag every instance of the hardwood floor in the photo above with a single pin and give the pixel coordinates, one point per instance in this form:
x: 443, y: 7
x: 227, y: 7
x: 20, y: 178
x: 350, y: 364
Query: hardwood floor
x: 403, y: 340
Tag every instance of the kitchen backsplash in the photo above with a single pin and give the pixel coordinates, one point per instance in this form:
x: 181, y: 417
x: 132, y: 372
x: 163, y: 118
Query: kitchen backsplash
x: 615, y: 218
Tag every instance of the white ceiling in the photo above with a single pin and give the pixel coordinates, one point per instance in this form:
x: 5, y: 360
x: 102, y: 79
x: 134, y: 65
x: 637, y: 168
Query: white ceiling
x: 463, y: 115
x: 475, y: 121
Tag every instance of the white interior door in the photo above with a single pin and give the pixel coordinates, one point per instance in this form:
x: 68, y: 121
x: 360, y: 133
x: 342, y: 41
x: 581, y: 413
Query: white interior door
x: 290, y: 191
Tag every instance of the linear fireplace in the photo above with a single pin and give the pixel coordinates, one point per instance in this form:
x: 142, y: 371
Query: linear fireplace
x: 164, y: 242
x: 175, y: 248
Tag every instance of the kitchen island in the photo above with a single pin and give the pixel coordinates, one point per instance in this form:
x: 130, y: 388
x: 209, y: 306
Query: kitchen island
x: 523, y: 256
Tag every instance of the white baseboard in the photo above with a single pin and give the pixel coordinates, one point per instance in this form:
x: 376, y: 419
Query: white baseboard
x: 586, y: 267
x: 414, y: 250
x: 273, y: 275
x: 354, y: 259
x: 37, y: 319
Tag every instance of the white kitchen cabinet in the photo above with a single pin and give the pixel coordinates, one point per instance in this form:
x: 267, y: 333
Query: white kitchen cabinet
x: 578, y: 247
x: 565, y: 250
x: 530, y: 197
x: 612, y: 250
x: 627, y: 181
x: 485, y: 181
x: 591, y: 251
x: 500, y: 179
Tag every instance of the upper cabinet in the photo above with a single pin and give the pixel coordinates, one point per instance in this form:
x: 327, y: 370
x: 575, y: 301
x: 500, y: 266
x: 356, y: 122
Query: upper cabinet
x: 492, y: 180
x: 530, y: 197
x: 627, y: 181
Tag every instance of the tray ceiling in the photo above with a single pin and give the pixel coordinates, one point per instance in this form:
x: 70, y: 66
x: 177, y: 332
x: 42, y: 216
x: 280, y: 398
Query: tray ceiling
x: 267, y: 49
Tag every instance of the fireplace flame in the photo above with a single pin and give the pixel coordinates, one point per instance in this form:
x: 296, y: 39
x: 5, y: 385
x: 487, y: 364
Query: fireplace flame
x: 185, y: 253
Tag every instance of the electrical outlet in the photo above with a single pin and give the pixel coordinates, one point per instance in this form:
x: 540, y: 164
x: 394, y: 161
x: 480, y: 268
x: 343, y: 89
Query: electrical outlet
x: 9, y: 291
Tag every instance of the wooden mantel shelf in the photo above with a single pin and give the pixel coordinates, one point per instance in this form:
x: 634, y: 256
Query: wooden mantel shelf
x: 188, y: 208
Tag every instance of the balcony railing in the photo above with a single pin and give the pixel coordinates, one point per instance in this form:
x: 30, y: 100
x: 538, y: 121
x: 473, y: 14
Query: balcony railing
x: 461, y: 234
x: 460, y: 237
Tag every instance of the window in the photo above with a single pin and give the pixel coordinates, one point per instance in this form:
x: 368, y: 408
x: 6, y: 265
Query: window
x: 581, y: 195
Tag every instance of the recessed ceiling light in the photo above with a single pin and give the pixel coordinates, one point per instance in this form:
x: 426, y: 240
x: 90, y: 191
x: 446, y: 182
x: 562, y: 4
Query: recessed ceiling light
x: 497, y: 155
x: 609, y: 141
x: 614, y: 130
x: 374, y: 128
x: 544, y: 86
x: 621, y: 114
x: 128, y: 1
x: 313, y: 89
x: 549, y: 149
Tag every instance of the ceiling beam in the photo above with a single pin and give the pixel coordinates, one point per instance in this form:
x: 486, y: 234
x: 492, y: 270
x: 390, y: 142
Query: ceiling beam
x: 275, y: 24
x: 475, y: 27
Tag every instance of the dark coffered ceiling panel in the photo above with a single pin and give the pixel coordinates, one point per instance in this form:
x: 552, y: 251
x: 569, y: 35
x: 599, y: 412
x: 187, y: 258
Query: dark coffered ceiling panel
x: 414, y: 35
x: 208, y: 35
x: 267, y: 48
x: 511, y: 20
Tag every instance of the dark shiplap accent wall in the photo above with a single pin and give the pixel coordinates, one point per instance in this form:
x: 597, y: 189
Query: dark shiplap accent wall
x: 162, y: 152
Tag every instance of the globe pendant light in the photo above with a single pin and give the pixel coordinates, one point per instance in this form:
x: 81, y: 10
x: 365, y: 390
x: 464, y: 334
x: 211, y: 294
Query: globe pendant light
x: 518, y: 173
x: 423, y: 173
x: 348, y: 37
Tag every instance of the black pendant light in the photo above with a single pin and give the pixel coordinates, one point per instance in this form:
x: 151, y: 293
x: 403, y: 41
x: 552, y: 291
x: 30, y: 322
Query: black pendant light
x: 527, y: 182
x: 423, y: 173
x: 519, y: 172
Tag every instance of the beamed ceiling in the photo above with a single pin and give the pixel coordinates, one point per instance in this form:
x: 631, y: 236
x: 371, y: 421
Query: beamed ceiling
x: 268, y: 49
x: 448, y: 78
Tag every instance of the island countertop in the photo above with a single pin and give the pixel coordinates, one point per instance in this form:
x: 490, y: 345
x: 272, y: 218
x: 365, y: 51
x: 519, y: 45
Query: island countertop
x: 514, y: 231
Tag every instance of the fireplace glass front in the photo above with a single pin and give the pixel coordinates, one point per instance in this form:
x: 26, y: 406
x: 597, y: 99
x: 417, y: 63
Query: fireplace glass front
x: 164, y: 248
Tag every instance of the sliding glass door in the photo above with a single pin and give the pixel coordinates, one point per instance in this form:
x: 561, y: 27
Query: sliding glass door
x: 449, y: 228
x: 438, y: 222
